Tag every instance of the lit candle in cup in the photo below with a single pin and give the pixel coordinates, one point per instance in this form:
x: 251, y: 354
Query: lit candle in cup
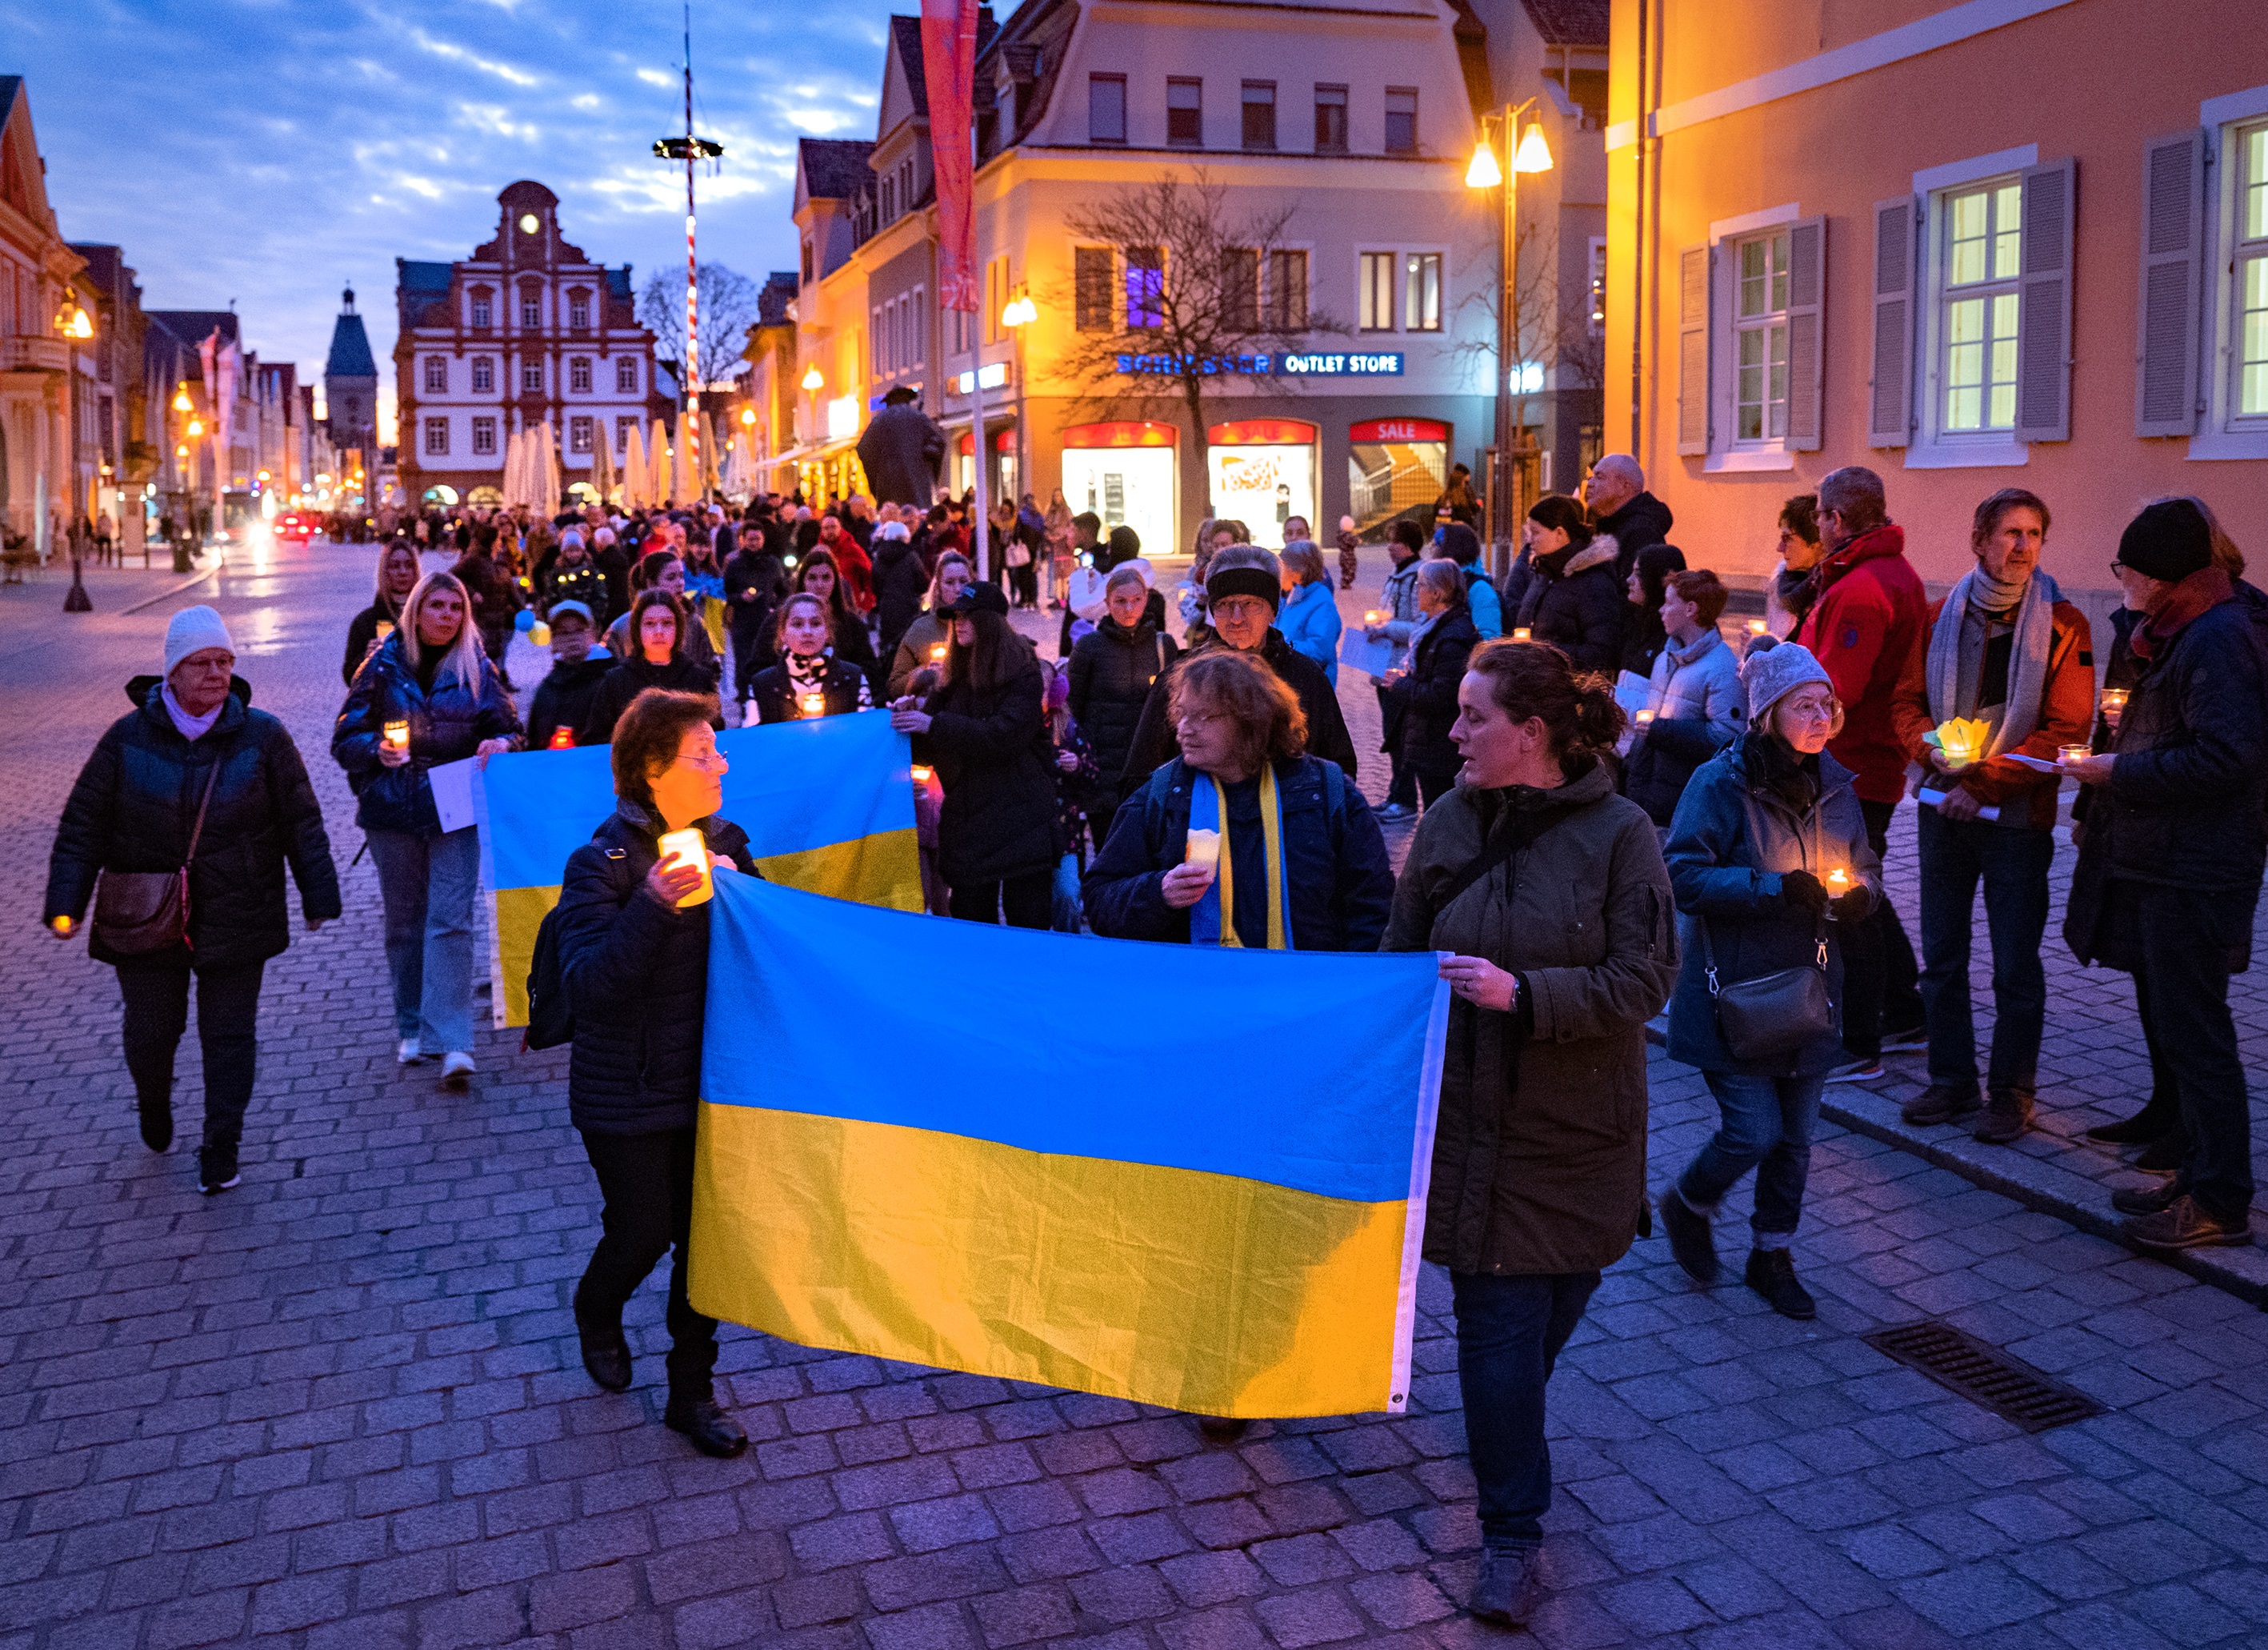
x: 815, y: 704
x: 1838, y: 880
x: 936, y: 654
x: 922, y: 775
x: 2069, y: 753
x: 397, y: 735
x: 1756, y: 627
x: 61, y: 925
x: 1523, y: 634
x: 1645, y: 716
x: 687, y: 848
x: 1371, y: 617
x: 2114, y: 705
x: 1963, y: 738
x: 1204, y: 850
x: 385, y: 628
x: 562, y: 739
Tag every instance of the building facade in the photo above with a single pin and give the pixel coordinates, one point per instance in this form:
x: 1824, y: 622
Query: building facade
x: 1831, y: 246
x: 526, y: 331
x: 1343, y: 132
x: 45, y: 426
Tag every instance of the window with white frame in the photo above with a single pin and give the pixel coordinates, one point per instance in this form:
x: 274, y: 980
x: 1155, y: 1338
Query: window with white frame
x: 578, y: 309
x: 1287, y: 291
x: 626, y: 375
x: 436, y: 375
x: 578, y: 433
x: 1421, y: 291
x: 1375, y: 292
x: 484, y: 438
x: 1240, y: 289
x: 530, y: 310
x: 531, y: 377
x: 1760, y: 303
x: 623, y: 428
x: 437, y: 438
x: 1145, y: 287
x: 483, y: 373
x: 1980, y: 255
x: 483, y: 312
x: 578, y: 373
x: 2249, y: 397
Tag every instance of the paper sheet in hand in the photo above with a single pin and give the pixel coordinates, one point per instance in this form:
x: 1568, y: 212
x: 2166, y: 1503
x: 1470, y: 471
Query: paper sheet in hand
x: 1633, y: 692
x: 2034, y: 762
x: 452, y: 793
x: 1936, y: 799
x: 1357, y: 652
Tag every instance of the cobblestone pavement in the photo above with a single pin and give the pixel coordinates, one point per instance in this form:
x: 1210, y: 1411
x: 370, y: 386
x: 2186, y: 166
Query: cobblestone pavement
x: 341, y: 1406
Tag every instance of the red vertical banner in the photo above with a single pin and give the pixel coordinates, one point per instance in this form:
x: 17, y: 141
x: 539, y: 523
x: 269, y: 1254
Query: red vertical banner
x: 949, y: 34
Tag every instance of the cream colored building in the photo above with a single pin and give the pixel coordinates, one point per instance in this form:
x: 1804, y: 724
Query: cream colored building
x: 45, y: 420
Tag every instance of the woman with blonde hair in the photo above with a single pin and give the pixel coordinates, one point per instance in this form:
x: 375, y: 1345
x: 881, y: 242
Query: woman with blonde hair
x: 399, y: 570
x: 919, y: 647
x: 428, y: 695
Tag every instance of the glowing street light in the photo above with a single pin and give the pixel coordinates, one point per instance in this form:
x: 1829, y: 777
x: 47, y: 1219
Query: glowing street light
x: 1524, y: 151
x: 1021, y: 311
x: 814, y: 381
x: 181, y: 398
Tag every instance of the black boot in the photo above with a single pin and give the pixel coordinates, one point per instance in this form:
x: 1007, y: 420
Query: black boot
x: 2164, y: 1155
x: 1691, y: 1244
x: 711, y: 1431
x: 157, y: 1121
x: 1771, y: 1274
x: 2151, y: 1122
x: 606, y: 1354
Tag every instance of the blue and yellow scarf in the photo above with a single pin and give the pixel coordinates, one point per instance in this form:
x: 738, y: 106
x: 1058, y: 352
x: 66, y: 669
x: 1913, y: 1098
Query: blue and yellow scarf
x: 1212, y: 919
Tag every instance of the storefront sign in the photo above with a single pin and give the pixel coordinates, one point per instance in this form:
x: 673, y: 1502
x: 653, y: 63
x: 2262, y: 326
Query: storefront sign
x: 1379, y: 364
x: 991, y: 375
x: 1398, y: 430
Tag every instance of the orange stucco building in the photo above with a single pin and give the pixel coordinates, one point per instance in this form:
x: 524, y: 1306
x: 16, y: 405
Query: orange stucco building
x: 1998, y: 243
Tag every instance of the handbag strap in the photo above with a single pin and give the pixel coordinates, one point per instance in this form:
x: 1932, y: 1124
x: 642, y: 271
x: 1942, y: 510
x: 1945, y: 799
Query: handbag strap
x: 1709, y: 951
x: 1521, y: 833
x: 203, y: 802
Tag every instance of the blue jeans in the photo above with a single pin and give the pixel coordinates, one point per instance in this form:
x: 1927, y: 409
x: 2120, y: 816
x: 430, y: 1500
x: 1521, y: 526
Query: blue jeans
x: 2012, y: 863
x: 1767, y: 1127
x: 1510, y: 1330
x: 428, y: 883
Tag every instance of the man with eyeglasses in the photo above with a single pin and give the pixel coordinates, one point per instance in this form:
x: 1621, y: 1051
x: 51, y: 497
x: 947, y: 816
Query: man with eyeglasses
x: 1868, y: 611
x: 2005, y: 649
x: 1244, y: 589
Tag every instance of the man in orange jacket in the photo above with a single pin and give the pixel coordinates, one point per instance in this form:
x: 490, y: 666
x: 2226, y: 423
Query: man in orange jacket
x: 2004, y: 648
x: 1864, y: 609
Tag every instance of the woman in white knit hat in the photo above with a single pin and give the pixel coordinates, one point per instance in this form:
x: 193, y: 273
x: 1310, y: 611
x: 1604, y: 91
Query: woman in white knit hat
x: 179, y: 828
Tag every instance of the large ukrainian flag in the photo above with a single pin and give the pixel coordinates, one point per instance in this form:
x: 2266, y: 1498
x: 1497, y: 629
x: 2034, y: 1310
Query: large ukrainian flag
x: 828, y: 805
x: 1184, y: 1175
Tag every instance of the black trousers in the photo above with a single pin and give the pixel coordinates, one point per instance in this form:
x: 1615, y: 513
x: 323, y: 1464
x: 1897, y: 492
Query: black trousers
x: 157, y: 996
x: 1880, y: 984
x: 1028, y: 899
x: 646, y: 1182
x: 2188, y: 936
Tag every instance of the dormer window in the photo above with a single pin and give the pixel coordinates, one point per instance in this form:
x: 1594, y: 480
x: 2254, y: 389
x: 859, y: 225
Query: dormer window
x: 483, y: 312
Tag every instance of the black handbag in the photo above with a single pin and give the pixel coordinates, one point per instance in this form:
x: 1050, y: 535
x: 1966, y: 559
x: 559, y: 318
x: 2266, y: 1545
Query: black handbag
x: 136, y: 912
x: 1773, y: 1014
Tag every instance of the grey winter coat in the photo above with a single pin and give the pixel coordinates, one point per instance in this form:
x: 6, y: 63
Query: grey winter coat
x: 900, y: 451
x: 1700, y: 707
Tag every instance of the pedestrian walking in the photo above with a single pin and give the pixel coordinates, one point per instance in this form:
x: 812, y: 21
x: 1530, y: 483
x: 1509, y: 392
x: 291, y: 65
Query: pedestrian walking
x: 917, y: 648
x: 179, y: 828
x: 1397, y: 617
x: 2171, y: 855
x: 2003, y: 648
x: 1309, y: 617
x: 659, y: 660
x: 563, y: 698
x: 1548, y: 890
x: 1422, y: 696
x: 1295, y: 860
x: 984, y: 732
x: 1694, y: 694
x: 398, y: 573
x: 1566, y: 590
x: 633, y: 949
x: 1112, y: 670
x: 1772, y: 864
x: 1865, y: 611
x: 428, y: 695
x: 809, y: 680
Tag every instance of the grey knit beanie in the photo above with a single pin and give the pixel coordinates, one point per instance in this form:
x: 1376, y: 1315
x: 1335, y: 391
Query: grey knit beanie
x: 1771, y: 675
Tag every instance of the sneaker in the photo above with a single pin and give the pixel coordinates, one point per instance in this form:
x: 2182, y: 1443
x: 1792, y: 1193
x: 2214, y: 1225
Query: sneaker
x: 1771, y: 1274
x: 1941, y: 1103
x: 1506, y: 1587
x: 2007, y: 1113
x: 1857, y: 1069
x: 457, y: 1071
x: 1394, y: 812
x: 156, y: 1122
x: 2146, y: 1199
x: 1913, y: 1037
x: 216, y: 1169
x: 2182, y: 1225
x: 1691, y: 1242
x: 408, y: 1053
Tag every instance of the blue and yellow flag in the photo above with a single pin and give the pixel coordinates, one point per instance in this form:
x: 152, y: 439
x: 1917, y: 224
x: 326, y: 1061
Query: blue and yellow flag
x: 828, y: 805
x: 1180, y: 1175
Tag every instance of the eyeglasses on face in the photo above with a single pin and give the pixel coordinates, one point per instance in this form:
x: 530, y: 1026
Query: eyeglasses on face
x: 1813, y: 709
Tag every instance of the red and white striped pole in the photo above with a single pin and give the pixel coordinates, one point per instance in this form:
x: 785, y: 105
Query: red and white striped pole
x: 691, y: 421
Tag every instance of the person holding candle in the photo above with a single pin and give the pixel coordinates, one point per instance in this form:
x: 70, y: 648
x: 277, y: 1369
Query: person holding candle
x: 1754, y: 849
x: 657, y: 621
x: 432, y: 674
x: 563, y: 698
x: 1422, y: 696
x: 1324, y: 883
x: 2004, y: 649
x: 572, y: 576
x: 817, y: 576
x: 664, y: 570
x: 1699, y: 706
x: 398, y: 572
x: 191, y: 780
x: 2171, y: 856
x: 809, y: 680
x: 754, y: 581
x: 984, y: 731
x: 1566, y: 590
x: 1548, y: 892
x: 633, y: 938
x: 1112, y: 670
x: 921, y: 647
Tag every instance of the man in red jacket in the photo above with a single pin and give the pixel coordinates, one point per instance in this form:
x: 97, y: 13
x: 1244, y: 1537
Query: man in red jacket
x: 1866, y: 612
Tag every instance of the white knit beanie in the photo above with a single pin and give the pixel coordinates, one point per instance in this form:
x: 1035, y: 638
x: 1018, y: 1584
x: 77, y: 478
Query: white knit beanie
x: 192, y: 630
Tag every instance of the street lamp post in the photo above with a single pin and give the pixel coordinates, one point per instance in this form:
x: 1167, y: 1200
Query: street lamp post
x: 1020, y: 314
x: 1521, y: 153
x: 73, y: 324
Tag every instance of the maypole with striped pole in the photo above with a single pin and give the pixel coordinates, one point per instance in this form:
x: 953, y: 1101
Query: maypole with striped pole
x: 690, y: 149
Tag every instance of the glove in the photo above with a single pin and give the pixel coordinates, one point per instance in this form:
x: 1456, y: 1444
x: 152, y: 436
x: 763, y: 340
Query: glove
x: 1803, y: 891
x: 1854, y: 907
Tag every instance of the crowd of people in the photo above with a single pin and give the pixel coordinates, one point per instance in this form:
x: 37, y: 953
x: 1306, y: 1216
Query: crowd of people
x: 1618, y: 810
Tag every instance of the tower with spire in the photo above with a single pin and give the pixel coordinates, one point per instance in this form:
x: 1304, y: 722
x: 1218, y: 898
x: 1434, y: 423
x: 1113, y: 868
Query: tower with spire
x: 350, y: 381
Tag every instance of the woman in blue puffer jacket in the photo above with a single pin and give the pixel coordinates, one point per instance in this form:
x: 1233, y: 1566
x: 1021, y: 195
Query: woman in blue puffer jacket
x: 1309, y: 617
x: 431, y: 682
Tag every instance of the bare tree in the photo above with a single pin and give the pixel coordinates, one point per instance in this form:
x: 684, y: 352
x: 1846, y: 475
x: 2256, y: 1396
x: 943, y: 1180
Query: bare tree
x: 1188, y: 299
x: 728, y: 309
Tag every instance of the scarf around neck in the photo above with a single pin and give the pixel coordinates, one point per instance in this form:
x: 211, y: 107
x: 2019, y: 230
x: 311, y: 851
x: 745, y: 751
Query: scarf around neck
x: 1957, y: 655
x: 2206, y: 588
x: 1212, y: 919
x: 191, y: 728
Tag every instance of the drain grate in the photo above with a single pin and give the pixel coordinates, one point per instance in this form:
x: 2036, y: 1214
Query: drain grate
x: 1984, y: 1376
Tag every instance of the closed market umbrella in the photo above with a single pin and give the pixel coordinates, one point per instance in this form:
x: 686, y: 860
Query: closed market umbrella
x: 602, y: 467
x: 633, y: 469
x: 660, y: 481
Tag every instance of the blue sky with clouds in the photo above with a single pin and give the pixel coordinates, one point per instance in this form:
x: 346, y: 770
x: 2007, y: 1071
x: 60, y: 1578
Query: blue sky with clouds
x: 270, y: 152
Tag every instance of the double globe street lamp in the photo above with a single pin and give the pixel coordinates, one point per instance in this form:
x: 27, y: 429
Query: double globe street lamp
x: 1523, y: 152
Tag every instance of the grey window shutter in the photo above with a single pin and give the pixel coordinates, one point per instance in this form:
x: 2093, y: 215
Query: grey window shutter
x: 2043, y: 304
x: 1807, y: 292
x: 2166, y: 333
x: 1693, y: 349
x: 1889, y: 399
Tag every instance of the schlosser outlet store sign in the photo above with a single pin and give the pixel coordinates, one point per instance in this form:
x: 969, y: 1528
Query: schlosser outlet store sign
x: 1380, y: 364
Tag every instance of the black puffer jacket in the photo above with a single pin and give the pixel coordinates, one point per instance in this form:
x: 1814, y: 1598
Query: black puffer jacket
x: 1427, y: 696
x: 362, y: 635
x: 994, y: 758
x: 447, y: 724
x: 1574, y: 599
x: 563, y: 698
x: 759, y: 577
x: 1155, y: 744
x: 1112, y: 671
x: 901, y: 581
x: 776, y: 700
x: 632, y: 677
x: 136, y: 805
x: 636, y: 974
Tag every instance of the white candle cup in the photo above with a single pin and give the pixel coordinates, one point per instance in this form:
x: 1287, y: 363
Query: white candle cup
x: 1522, y: 633
x: 815, y: 704
x: 2114, y: 705
x: 2069, y: 753
x: 1204, y: 850
x: 1643, y: 717
x: 397, y: 735
x: 687, y: 848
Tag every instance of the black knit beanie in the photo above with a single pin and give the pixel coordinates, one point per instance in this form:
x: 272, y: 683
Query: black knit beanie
x: 2168, y: 541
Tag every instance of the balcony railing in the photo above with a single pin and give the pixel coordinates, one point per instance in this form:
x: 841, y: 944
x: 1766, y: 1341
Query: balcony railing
x: 34, y: 355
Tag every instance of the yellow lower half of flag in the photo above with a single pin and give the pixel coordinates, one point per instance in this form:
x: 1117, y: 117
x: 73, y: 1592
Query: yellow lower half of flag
x: 884, y: 869
x: 1199, y: 1292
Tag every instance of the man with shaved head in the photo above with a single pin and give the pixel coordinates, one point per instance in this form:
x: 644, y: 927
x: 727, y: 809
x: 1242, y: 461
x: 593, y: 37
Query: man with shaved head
x: 1614, y: 493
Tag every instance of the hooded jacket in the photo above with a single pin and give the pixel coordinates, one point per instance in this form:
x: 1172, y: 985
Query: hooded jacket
x: 135, y: 805
x: 1642, y: 521
x: 1869, y: 613
x: 447, y: 724
x: 1422, y: 704
x: 1155, y: 744
x: 1539, y: 1150
x: 901, y: 581
x: 1574, y: 599
x: 1309, y: 621
x: 1112, y: 671
x: 996, y: 761
x: 1700, y: 707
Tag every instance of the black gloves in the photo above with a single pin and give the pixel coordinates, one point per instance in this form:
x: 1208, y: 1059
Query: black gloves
x: 1803, y: 891
x: 1854, y: 907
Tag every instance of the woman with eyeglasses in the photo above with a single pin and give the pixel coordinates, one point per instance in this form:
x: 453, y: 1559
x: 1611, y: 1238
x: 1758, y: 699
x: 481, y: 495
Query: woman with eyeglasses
x: 1771, y: 862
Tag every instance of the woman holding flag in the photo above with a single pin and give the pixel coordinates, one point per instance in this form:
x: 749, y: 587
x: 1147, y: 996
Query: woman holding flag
x: 1244, y: 839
